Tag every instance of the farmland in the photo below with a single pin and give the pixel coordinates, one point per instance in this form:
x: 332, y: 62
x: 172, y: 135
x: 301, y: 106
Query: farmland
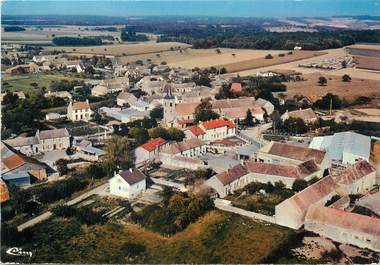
x: 22, y: 82
x: 120, y: 49
x: 216, y: 238
x: 349, y: 90
x: 44, y: 35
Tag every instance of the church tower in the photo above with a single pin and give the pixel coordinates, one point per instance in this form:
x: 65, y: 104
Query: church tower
x: 169, y: 107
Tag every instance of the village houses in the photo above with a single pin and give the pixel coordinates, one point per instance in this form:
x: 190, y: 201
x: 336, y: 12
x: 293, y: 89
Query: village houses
x: 79, y: 111
x: 212, y: 130
x: 43, y: 141
x: 149, y: 151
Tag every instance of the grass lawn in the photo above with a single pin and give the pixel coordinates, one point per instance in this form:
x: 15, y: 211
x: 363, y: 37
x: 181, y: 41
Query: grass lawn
x: 21, y: 82
x: 217, y: 237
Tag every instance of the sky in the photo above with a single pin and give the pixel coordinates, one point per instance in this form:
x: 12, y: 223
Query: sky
x: 218, y: 8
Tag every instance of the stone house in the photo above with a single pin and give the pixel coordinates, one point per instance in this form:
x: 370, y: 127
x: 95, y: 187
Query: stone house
x: 44, y: 141
x: 125, y: 98
x: 79, y: 111
x: 212, y: 130
x: 307, y: 115
x: 150, y: 150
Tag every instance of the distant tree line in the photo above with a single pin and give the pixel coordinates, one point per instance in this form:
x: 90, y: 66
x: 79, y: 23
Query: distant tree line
x: 242, y: 38
x: 72, y: 41
x: 130, y: 35
x: 13, y: 29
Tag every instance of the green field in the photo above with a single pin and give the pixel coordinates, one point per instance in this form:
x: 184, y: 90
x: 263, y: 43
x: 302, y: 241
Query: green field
x: 217, y: 237
x: 22, y: 82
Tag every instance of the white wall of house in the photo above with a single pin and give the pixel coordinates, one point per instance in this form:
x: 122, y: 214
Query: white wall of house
x: 119, y: 187
x: 343, y: 235
x: 79, y: 115
x: 218, y: 133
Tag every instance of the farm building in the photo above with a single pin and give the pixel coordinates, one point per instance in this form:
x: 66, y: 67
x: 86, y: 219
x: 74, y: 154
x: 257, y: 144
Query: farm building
x: 344, y: 227
x: 345, y: 147
x: 281, y: 153
x: 356, y: 179
x: 307, y: 115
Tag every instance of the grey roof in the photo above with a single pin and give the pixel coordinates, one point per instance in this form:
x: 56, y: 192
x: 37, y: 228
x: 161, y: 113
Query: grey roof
x: 49, y: 134
x: 132, y: 176
x: 93, y: 150
x: 21, y: 141
x: 248, y: 150
x: 343, y: 142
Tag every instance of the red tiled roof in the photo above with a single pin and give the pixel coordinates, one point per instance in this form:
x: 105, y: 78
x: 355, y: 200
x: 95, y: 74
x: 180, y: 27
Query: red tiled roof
x: 15, y: 68
x: 153, y: 144
x: 213, y: 124
x: 236, y: 87
x: 186, y: 121
x: 185, y: 108
x: 297, y: 152
x: 290, y: 171
x: 81, y: 105
x: 231, y: 174
x: 17, y: 160
x: 338, y: 218
x: 196, y: 130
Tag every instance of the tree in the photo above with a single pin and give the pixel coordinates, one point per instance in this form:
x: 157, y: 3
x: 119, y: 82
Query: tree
x: 175, y: 134
x: 249, y: 119
x: 346, y: 78
x: 322, y: 81
x: 204, y: 112
x: 276, y: 120
x: 158, y: 132
x: 218, y: 51
x: 329, y: 100
x: 299, y: 184
x: 119, y: 154
x: 225, y: 92
x: 95, y: 171
x: 9, y: 98
x: 344, y: 64
x: 295, y: 126
x: 61, y: 165
x: 157, y: 113
x: 140, y: 135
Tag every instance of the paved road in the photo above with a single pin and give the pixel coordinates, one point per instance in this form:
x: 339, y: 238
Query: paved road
x: 48, y: 214
x: 225, y: 205
x: 256, y: 132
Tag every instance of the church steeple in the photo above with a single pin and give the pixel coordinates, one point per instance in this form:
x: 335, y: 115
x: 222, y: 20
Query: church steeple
x: 169, y: 94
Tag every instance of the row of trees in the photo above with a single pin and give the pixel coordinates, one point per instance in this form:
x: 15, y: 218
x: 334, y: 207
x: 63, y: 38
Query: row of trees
x: 73, y: 41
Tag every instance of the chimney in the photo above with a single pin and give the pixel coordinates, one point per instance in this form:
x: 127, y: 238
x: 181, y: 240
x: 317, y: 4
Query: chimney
x: 130, y: 170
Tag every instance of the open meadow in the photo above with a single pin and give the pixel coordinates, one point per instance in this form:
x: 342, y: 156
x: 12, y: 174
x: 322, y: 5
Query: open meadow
x: 22, y: 82
x: 348, y: 90
x: 216, y: 237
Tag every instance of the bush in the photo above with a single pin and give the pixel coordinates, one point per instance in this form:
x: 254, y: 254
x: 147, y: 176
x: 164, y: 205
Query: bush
x: 269, y: 56
x: 299, y: 184
x: 64, y: 211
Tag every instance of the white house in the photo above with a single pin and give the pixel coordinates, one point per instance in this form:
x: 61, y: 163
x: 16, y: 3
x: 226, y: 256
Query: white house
x: 128, y: 184
x: 346, y: 147
x: 150, y: 150
x: 212, y: 130
x: 79, y: 111
x: 110, y: 86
